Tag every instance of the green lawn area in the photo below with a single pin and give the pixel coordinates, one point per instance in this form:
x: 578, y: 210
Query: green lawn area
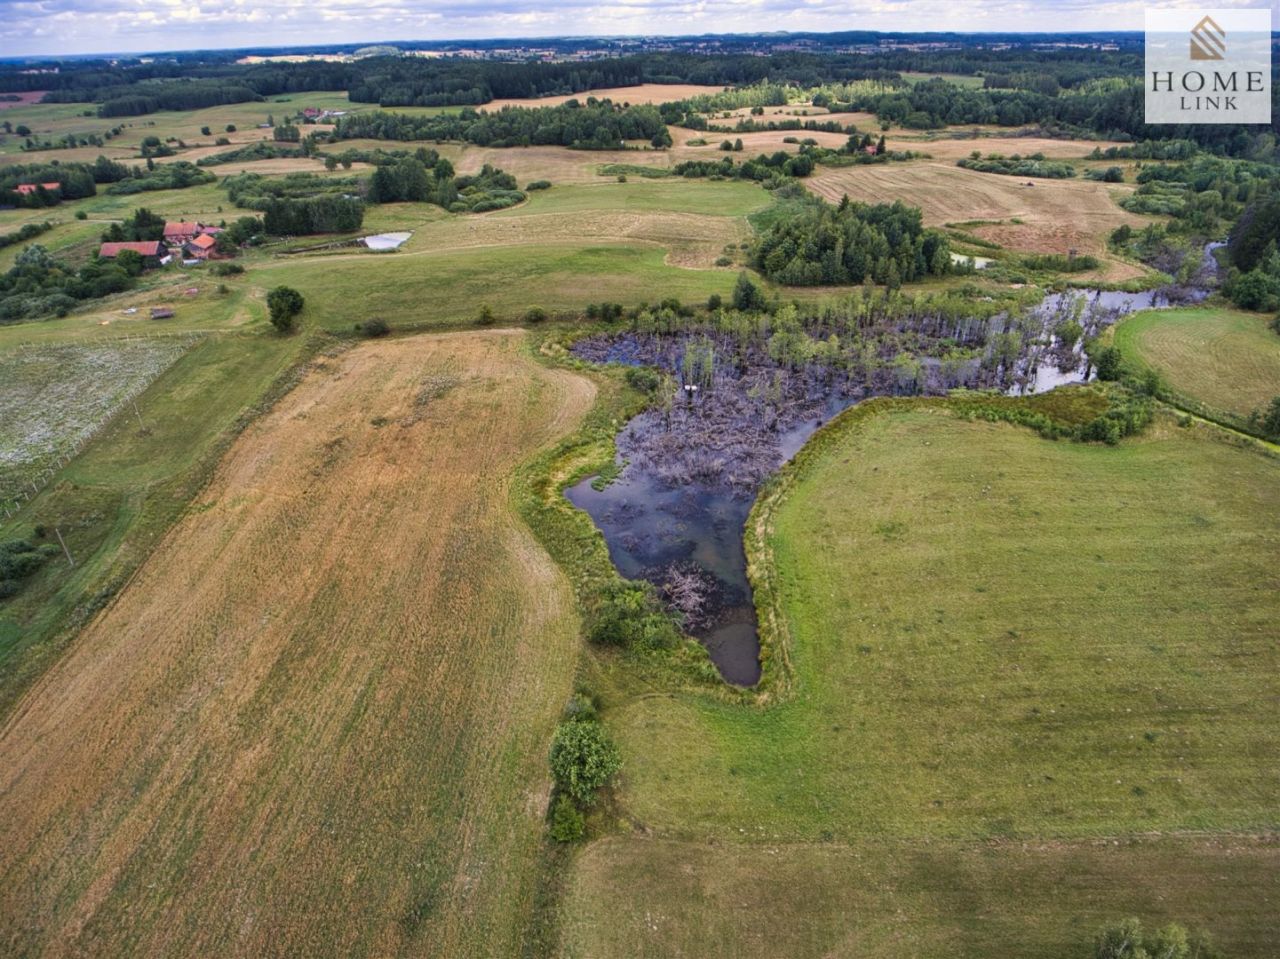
x: 439, y: 288
x: 996, y: 639
x: 1227, y: 360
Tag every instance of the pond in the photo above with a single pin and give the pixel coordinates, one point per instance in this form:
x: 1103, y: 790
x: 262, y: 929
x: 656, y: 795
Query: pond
x: 675, y: 514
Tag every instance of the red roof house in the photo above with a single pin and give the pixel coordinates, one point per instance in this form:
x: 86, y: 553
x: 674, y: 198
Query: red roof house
x: 149, y: 249
x: 180, y: 232
x: 202, y: 247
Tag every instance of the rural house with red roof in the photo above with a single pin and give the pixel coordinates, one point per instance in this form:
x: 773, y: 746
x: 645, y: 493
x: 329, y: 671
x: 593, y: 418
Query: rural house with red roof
x: 151, y: 251
x: 202, y: 247
x: 181, y: 232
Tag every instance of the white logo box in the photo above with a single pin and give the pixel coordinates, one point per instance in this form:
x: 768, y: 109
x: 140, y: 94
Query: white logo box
x: 1208, y: 65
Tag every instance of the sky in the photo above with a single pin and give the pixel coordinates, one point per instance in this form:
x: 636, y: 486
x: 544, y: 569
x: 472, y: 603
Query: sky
x: 119, y: 26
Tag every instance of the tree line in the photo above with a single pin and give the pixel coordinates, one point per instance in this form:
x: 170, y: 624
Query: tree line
x: 596, y: 124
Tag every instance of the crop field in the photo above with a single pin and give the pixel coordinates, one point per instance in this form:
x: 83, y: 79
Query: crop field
x: 1053, y: 216
x: 54, y: 398
x: 1228, y: 360
x: 1021, y: 653
x: 315, y: 720
x: 641, y: 93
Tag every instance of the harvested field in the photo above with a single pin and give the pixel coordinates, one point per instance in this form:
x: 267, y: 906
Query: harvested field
x: 1056, y: 215
x: 643, y: 93
x: 315, y: 722
x: 945, y: 147
x: 753, y: 144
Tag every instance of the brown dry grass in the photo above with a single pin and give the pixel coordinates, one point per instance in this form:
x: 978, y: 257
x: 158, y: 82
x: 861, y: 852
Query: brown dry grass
x: 315, y: 722
x: 643, y: 93
x: 950, y: 148
x: 1056, y: 215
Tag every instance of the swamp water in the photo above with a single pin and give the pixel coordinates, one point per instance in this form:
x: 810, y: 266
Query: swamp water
x: 676, y: 512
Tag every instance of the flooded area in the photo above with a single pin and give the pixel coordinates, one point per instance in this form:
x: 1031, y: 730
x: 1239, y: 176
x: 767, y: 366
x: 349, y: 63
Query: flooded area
x: 692, y: 465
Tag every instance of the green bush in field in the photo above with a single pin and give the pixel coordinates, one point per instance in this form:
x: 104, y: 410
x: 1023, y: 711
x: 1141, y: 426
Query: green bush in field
x: 567, y: 823
x: 285, y: 303
x: 628, y: 615
x: 583, y: 759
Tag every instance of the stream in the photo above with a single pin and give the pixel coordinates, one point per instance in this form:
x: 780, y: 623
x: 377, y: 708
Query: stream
x: 676, y: 512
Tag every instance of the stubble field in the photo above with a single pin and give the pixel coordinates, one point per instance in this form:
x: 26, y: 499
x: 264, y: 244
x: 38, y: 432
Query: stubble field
x: 315, y: 721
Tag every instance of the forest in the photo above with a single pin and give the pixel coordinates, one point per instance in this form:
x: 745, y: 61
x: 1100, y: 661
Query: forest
x: 597, y: 124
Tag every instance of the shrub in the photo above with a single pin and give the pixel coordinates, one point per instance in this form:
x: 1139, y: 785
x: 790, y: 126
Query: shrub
x: 374, y: 328
x: 714, y: 301
x: 1108, y: 361
x: 583, y: 759
x: 81, y: 215
x: 486, y: 317
x: 1128, y: 940
x: 628, y: 615
x: 538, y: 185
x: 285, y: 303
x: 644, y: 379
x: 567, y: 823
x: 226, y: 269
x: 535, y: 314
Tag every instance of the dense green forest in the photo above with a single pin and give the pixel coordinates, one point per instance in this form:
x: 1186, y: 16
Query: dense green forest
x: 596, y: 124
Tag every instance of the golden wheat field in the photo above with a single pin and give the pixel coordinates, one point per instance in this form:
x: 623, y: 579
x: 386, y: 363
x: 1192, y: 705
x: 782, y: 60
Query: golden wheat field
x: 314, y: 723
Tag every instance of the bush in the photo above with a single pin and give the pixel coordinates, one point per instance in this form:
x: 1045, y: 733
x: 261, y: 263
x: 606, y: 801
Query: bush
x: 644, y: 379
x: 486, y: 317
x: 223, y: 268
x: 81, y: 215
x: 1128, y: 940
x: 374, y: 328
x: 1109, y: 362
x: 285, y: 303
x: 628, y: 615
x: 535, y: 314
x: 567, y: 823
x: 538, y: 185
x: 583, y: 759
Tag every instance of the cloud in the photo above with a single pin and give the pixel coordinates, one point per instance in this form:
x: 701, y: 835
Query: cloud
x: 115, y: 26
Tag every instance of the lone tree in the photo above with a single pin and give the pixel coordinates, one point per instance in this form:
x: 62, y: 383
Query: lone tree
x: 582, y: 760
x: 746, y: 295
x: 285, y: 304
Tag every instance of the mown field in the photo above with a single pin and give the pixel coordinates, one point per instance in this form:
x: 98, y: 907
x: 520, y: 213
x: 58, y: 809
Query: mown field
x: 1001, y: 645
x: 315, y: 722
x: 1023, y: 215
x: 1228, y: 360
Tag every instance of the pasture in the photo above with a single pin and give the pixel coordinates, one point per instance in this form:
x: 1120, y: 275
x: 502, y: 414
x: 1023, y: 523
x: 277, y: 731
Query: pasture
x: 1225, y: 360
x: 1022, y: 646
x: 315, y: 720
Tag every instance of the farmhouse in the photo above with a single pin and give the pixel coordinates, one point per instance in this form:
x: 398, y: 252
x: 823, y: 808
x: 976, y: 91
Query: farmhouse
x: 151, y: 251
x: 201, y: 247
x: 181, y: 232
